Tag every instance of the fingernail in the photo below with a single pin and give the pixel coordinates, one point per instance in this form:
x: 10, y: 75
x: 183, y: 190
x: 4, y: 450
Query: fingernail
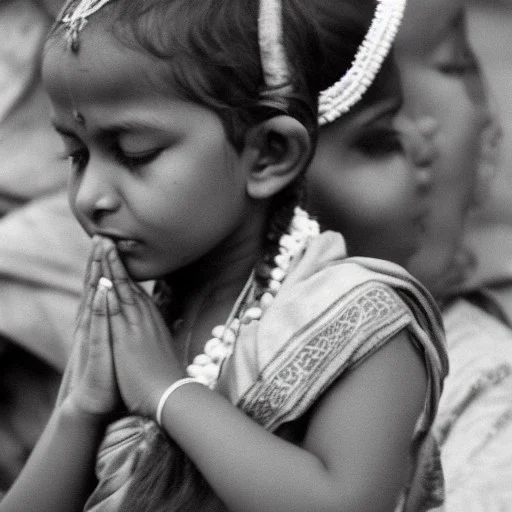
x: 105, y: 283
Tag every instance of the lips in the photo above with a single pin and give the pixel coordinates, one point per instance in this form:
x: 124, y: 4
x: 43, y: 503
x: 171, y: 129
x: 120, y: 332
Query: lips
x: 125, y: 245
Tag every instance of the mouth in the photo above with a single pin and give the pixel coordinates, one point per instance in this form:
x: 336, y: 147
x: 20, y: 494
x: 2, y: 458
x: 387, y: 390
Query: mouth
x: 123, y: 245
x: 126, y: 246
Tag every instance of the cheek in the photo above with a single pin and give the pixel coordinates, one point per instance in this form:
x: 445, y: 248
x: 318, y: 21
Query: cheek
x: 72, y: 193
x: 361, y: 198
x: 455, y: 170
x: 73, y: 187
x: 461, y: 128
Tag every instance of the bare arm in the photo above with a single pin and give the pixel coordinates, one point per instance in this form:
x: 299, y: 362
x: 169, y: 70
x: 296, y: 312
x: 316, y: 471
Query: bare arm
x: 355, y: 456
x: 59, y: 473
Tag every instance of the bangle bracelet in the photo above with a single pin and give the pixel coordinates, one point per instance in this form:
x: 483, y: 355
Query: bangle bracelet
x: 168, y: 392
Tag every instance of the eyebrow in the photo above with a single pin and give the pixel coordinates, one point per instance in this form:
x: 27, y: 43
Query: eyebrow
x: 370, y: 114
x: 129, y: 125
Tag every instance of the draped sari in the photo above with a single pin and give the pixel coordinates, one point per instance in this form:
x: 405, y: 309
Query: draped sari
x: 329, y: 316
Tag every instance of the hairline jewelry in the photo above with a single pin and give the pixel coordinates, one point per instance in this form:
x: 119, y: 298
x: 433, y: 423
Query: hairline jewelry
x: 74, y: 17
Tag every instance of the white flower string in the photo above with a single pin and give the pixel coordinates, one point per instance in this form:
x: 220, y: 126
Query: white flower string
x: 206, y: 366
x: 75, y: 16
x: 344, y: 94
x: 274, y: 64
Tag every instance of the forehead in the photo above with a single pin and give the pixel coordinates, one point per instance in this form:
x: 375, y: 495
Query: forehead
x: 427, y: 23
x: 103, y: 69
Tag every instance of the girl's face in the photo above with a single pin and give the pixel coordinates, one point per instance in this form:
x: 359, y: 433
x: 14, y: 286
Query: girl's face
x: 153, y: 172
x: 442, y: 80
x: 360, y: 182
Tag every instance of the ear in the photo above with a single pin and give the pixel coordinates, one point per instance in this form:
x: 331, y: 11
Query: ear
x: 274, y: 154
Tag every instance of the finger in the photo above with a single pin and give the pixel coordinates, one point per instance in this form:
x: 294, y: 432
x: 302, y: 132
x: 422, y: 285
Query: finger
x: 99, y: 327
x: 114, y: 305
x: 92, y: 258
x: 94, y: 274
x: 152, y: 316
x: 151, y: 309
x: 125, y: 288
x: 100, y: 370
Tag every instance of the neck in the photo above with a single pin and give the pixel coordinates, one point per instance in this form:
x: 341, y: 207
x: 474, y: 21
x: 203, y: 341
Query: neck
x: 206, y: 290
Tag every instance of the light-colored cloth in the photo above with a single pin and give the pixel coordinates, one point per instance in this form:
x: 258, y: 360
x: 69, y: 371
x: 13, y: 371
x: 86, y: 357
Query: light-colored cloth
x: 474, y: 423
x: 29, y: 146
x: 43, y: 255
x: 491, y: 244
x: 329, y: 316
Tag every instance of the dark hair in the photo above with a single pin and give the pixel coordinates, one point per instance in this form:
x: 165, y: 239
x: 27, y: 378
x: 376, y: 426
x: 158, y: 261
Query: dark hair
x: 342, y: 26
x: 212, y: 50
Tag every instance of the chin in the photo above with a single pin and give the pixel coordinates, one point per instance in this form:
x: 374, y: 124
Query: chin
x: 143, y: 271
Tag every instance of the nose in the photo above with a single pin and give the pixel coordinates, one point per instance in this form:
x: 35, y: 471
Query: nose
x: 95, y: 192
x: 419, y: 141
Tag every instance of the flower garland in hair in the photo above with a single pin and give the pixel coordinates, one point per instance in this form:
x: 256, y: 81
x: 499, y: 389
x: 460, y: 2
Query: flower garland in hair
x: 206, y: 366
x: 274, y: 63
x: 74, y: 17
x: 340, y: 97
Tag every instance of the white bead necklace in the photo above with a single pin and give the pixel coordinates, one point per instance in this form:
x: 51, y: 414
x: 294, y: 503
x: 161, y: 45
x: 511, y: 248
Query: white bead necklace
x: 206, y: 366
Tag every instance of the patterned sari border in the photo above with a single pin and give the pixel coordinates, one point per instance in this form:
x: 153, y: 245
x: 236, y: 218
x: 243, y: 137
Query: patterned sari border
x: 342, y: 336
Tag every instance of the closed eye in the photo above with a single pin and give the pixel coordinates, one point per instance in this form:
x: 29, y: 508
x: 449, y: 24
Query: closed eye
x: 379, y: 142
x: 135, y: 160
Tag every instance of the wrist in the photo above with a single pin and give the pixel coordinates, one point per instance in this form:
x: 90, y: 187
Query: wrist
x: 168, y: 393
x: 71, y: 410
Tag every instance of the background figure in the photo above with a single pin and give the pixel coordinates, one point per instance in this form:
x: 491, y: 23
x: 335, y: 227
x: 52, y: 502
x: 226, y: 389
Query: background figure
x: 446, y: 95
x: 490, y: 232
x: 443, y: 81
x: 42, y: 247
x: 489, y: 32
x: 27, y: 156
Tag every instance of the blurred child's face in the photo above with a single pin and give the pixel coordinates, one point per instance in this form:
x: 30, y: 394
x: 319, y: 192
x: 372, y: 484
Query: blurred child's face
x: 441, y: 79
x: 155, y: 173
x: 360, y: 182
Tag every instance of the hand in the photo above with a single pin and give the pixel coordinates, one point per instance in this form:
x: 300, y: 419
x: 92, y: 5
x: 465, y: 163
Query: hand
x: 145, y: 362
x: 94, y: 390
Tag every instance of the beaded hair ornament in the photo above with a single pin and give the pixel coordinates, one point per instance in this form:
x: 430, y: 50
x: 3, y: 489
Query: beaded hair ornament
x: 344, y: 94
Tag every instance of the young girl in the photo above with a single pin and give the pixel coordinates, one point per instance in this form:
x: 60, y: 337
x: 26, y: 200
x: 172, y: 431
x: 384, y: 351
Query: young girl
x: 189, y: 126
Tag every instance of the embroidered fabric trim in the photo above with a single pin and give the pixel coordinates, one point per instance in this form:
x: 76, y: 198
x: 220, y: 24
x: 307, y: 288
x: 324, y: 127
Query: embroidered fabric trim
x: 371, y: 312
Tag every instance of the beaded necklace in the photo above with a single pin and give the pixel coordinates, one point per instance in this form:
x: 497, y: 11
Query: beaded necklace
x: 206, y: 366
